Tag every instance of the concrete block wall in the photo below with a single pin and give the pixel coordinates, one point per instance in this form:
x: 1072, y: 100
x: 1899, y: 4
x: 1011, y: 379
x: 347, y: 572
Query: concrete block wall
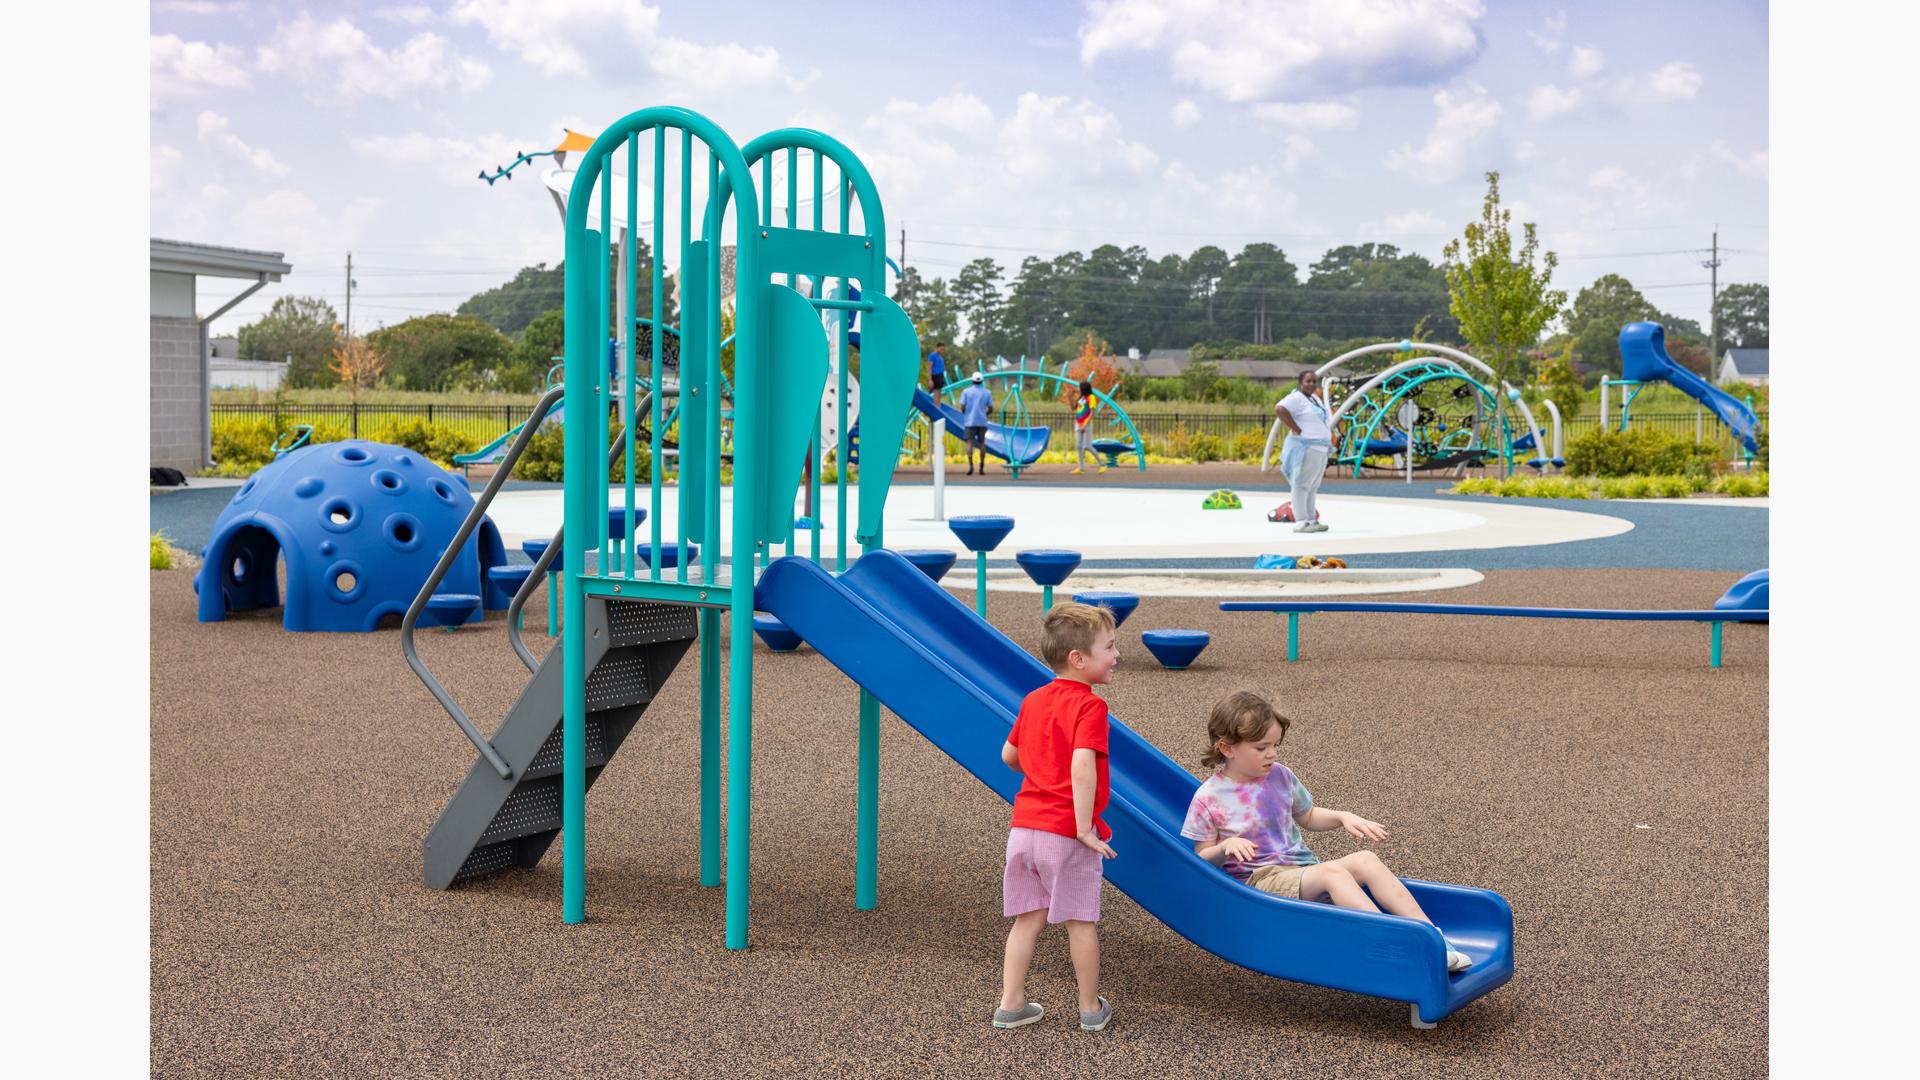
x: 177, y: 392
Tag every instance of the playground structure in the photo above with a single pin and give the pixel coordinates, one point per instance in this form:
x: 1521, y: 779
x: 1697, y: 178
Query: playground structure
x: 1461, y: 420
x: 359, y: 525
x: 1015, y: 439
x: 628, y: 619
x: 1644, y: 360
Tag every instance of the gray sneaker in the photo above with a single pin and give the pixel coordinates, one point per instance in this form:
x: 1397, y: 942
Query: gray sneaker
x: 1013, y: 1018
x: 1458, y: 961
x: 1315, y: 526
x: 1097, y: 1019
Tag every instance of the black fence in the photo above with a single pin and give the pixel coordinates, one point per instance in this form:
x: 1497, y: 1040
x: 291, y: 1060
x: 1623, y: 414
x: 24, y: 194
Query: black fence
x: 480, y: 422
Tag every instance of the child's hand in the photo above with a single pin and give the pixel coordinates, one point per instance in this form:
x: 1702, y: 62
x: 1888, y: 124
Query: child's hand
x: 1239, y: 848
x: 1091, y: 838
x: 1362, y: 828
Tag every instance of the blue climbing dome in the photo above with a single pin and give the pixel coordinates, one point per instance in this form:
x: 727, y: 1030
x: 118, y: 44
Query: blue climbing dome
x: 360, y: 525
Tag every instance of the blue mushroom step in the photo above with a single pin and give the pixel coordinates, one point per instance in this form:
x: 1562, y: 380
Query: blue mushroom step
x: 779, y: 637
x: 1176, y: 649
x: 1122, y: 604
x: 932, y: 562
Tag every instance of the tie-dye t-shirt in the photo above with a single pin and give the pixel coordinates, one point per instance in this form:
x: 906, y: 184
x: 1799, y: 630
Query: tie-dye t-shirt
x: 1263, y: 812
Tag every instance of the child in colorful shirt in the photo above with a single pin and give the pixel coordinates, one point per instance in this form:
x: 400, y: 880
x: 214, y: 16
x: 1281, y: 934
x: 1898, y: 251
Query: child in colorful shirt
x: 1083, y: 429
x: 1246, y: 819
x: 1059, y: 741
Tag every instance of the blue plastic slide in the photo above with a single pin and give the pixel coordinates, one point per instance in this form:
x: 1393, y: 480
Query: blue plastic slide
x: 959, y: 682
x: 495, y: 451
x: 1021, y: 445
x: 1643, y: 358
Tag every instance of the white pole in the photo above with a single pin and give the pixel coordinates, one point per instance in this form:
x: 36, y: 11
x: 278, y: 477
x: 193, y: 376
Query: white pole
x: 940, y: 469
x: 1603, y: 403
x: 1699, y: 415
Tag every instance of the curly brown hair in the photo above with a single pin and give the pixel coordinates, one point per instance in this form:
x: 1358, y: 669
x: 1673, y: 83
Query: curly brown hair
x: 1241, y: 716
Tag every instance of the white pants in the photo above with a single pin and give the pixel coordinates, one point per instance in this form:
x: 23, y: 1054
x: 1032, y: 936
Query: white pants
x: 1305, y: 463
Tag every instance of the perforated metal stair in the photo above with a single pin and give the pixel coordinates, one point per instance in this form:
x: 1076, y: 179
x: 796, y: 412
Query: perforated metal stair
x: 491, y: 823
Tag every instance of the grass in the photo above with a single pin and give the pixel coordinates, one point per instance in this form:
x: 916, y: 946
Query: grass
x: 1612, y: 487
x: 159, y: 552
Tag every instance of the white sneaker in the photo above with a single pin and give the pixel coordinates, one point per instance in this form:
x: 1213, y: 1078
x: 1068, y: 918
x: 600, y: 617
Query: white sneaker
x: 1314, y: 526
x: 1305, y: 526
x: 1458, y: 961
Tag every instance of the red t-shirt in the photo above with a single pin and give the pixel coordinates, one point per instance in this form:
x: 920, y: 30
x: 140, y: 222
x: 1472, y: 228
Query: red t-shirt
x: 1054, y: 721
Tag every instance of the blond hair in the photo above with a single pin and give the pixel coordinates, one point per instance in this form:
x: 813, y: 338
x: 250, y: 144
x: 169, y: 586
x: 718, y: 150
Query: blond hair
x: 1242, y: 716
x: 1072, y: 627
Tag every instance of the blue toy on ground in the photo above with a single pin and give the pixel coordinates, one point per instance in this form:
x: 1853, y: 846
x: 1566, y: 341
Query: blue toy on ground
x: 1747, y: 594
x: 1176, y: 649
x: 360, y: 525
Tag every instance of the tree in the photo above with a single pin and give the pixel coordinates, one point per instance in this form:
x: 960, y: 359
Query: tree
x: 1255, y: 288
x: 1559, y: 382
x: 1096, y: 365
x: 535, y: 290
x: 533, y: 355
x: 438, y: 352
x: 303, y: 327
x: 1599, y: 311
x: 1374, y: 291
x: 357, y: 365
x: 931, y: 307
x: 1741, y: 314
x: 1502, y: 300
x: 976, y: 293
x: 1204, y: 269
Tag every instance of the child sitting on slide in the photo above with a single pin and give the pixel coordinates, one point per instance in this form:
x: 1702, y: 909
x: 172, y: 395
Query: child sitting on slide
x: 1246, y: 819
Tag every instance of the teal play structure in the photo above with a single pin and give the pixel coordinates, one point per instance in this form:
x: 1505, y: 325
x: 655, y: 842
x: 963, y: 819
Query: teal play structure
x: 1461, y: 419
x: 1644, y: 360
x: 1015, y: 439
x: 630, y: 617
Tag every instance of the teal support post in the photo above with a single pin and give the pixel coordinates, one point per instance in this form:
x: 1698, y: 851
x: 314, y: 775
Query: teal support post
x: 1293, y: 636
x: 1046, y: 598
x: 980, y: 583
x: 1716, y: 643
x: 553, y: 605
x: 573, y: 751
x: 866, y: 863
x: 709, y: 747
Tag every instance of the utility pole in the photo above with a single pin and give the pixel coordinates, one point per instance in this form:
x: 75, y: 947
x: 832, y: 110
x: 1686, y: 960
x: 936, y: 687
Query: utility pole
x: 1713, y: 310
x: 349, y: 296
x: 903, y: 256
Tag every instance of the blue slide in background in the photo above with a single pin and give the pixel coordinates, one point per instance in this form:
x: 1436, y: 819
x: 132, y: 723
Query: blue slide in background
x: 959, y: 682
x: 495, y: 451
x: 1020, y: 445
x: 1643, y: 358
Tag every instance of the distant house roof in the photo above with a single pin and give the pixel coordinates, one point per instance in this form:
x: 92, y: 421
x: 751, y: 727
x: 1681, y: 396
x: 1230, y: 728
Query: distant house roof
x: 1747, y: 361
x: 210, y: 260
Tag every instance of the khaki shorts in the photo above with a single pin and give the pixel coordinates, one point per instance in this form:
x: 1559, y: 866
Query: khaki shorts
x: 1282, y: 880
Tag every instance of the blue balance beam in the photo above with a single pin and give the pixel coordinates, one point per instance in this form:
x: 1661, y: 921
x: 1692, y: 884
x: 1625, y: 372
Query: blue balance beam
x: 1295, y: 608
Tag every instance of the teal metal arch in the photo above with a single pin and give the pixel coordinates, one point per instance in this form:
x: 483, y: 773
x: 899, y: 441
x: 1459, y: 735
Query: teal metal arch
x: 1120, y: 414
x: 1369, y: 415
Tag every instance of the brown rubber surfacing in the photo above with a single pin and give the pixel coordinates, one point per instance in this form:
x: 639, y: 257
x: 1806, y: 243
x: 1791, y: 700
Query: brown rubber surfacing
x: 293, y: 776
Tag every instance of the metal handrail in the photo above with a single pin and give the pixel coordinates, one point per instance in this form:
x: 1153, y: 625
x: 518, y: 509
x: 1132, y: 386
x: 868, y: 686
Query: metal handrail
x: 452, y: 552
x: 539, y: 571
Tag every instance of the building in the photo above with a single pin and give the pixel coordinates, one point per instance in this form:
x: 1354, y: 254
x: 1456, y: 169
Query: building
x: 1743, y: 365
x: 179, y: 353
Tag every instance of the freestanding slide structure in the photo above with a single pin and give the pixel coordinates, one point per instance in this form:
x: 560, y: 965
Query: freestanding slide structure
x: 1644, y: 359
x: 631, y: 613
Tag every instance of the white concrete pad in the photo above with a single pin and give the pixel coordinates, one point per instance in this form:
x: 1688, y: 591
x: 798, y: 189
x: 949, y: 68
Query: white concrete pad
x: 1146, y: 523
x: 1231, y: 584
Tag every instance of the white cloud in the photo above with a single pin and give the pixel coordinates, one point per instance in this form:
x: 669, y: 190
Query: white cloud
x: 338, y: 61
x: 1186, y: 114
x: 1676, y: 81
x: 1296, y: 149
x: 1320, y: 115
x: 1586, y: 62
x: 163, y: 165
x: 1461, y: 121
x: 1753, y: 164
x: 1414, y: 225
x: 215, y: 129
x: 1060, y: 139
x: 1250, y: 50
x: 178, y: 69
x: 1549, y: 101
x: 1548, y: 38
x: 410, y: 14
x: 1525, y: 151
x: 564, y: 37
x: 454, y: 160
x: 1612, y: 177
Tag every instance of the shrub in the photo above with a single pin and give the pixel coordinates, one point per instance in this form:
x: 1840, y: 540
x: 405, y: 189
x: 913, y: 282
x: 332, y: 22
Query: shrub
x: 1205, y: 447
x: 159, y: 552
x: 546, y: 455
x: 1640, y: 451
x: 436, y: 442
x: 1248, y: 445
x: 244, y: 445
x: 1741, y: 485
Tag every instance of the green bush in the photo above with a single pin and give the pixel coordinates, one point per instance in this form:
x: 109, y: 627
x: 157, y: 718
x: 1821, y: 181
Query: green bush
x: 1741, y: 485
x: 546, y: 456
x: 1205, y: 447
x: 244, y: 445
x: 436, y: 442
x: 1248, y: 445
x: 1640, y: 451
x: 1762, y: 455
x: 159, y: 552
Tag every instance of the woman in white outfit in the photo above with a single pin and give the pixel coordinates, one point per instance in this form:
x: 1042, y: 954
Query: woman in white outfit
x: 1309, y: 445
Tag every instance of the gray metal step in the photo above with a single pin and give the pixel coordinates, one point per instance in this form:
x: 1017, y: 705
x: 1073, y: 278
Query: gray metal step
x: 491, y: 824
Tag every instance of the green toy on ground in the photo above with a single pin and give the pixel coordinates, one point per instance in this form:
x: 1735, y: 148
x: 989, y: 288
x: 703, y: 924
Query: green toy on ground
x: 1221, y: 500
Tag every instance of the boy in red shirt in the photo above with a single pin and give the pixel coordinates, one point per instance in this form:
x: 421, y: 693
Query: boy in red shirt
x: 1059, y: 741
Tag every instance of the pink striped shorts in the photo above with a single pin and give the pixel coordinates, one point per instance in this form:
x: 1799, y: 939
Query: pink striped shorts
x: 1054, y: 872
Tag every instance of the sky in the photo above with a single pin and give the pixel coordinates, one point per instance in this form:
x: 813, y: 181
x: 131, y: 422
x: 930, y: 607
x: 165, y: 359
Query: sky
x: 1627, y: 133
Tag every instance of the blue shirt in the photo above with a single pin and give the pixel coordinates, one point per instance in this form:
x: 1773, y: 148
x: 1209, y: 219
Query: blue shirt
x: 936, y: 363
x: 975, y: 401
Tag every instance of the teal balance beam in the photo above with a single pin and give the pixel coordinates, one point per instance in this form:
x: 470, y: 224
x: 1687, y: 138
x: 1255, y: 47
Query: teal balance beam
x: 1295, y: 608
